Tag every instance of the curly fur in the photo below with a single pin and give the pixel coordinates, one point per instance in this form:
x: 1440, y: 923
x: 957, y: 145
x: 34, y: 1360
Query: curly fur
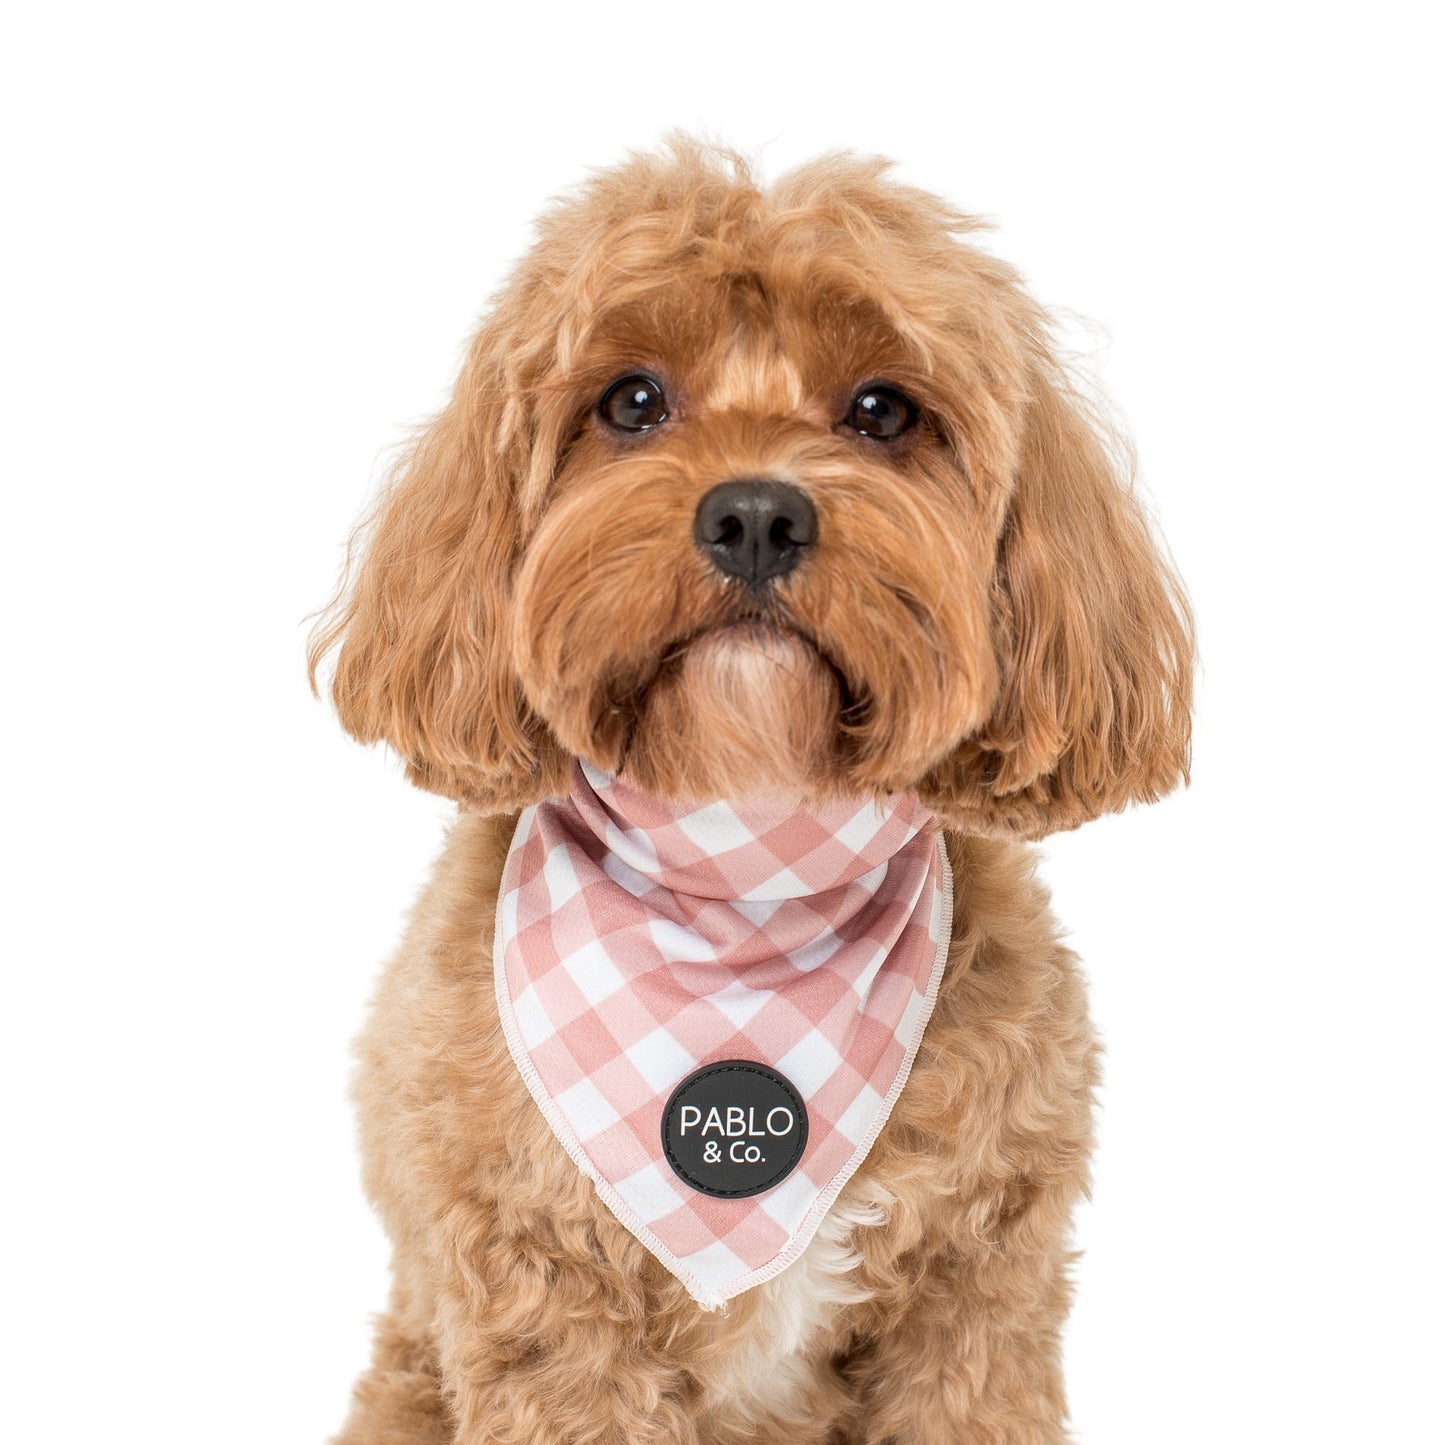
x: 985, y: 619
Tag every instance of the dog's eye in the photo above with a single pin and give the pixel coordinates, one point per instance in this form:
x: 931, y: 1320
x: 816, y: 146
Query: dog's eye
x: 633, y: 404
x: 882, y: 413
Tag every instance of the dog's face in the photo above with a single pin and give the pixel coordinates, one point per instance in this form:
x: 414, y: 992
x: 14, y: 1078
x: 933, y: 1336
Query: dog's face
x: 764, y: 560
x: 781, y: 491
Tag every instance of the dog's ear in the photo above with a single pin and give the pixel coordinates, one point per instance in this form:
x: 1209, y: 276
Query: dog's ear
x: 1094, y: 638
x: 421, y: 626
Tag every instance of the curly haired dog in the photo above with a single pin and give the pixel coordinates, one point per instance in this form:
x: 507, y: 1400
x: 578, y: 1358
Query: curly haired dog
x: 933, y: 580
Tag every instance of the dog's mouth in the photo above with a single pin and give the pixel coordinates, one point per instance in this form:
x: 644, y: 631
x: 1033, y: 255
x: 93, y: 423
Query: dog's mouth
x: 747, y: 629
x: 749, y: 703
x: 765, y: 630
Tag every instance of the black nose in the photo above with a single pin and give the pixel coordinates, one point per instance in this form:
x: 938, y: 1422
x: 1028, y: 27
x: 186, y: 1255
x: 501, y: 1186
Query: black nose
x: 755, y: 530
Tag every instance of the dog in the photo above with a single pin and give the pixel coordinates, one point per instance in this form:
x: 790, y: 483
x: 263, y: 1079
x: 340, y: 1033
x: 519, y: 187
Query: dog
x: 775, y: 494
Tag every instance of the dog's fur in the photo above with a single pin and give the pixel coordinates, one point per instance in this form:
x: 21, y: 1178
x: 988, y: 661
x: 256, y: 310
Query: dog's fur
x: 984, y: 619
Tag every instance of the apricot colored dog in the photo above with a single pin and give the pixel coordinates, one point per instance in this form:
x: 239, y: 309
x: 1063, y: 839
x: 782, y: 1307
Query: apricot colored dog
x: 928, y: 577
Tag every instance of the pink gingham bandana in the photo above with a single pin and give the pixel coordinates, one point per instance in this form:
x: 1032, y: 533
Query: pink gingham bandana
x: 638, y: 941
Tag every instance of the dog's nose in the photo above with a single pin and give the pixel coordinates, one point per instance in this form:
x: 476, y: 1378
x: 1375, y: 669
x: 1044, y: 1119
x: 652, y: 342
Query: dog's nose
x: 755, y: 529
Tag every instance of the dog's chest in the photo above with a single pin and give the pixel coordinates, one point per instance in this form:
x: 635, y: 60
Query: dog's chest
x: 768, y: 1368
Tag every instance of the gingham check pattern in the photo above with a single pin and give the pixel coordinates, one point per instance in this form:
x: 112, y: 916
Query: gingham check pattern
x: 637, y: 942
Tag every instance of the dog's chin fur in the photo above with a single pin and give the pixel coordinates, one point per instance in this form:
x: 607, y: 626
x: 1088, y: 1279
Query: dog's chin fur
x: 748, y: 709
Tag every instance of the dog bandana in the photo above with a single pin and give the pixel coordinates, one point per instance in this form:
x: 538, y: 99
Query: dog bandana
x: 716, y: 1007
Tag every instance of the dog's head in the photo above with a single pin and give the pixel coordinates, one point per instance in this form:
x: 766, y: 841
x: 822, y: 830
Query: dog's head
x: 750, y: 490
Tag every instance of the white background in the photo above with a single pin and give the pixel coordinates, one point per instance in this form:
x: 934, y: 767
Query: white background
x: 244, y: 247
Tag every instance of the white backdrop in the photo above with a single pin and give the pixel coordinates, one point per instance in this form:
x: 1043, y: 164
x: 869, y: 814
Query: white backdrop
x: 244, y: 249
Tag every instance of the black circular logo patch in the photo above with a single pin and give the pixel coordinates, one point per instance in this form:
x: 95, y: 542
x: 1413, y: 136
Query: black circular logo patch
x: 734, y: 1129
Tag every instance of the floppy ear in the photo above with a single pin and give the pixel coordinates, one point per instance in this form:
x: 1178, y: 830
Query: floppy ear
x: 1094, y: 637
x: 422, y: 629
